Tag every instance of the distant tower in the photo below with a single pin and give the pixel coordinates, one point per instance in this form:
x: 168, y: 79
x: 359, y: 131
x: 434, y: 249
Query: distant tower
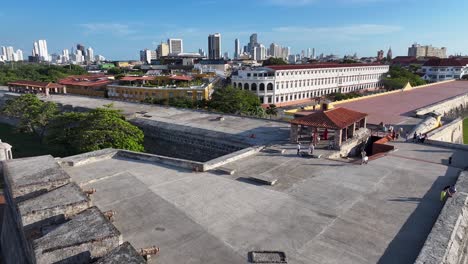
x: 237, y: 49
x: 389, y: 54
x: 5, y: 151
x: 380, y: 55
x: 214, y: 46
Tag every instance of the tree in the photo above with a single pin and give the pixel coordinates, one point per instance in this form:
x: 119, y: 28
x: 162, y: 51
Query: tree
x: 33, y: 114
x: 37, y: 72
x: 97, y: 129
x: 231, y: 100
x: 115, y: 71
x: 272, y: 110
x: 398, y: 77
x: 274, y: 61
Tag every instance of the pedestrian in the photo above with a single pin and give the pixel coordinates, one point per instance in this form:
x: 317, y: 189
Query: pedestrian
x: 423, y: 138
x: 415, y: 136
x: 364, y: 160
x: 311, y: 149
x: 447, y: 192
x: 397, y: 136
x: 298, y: 148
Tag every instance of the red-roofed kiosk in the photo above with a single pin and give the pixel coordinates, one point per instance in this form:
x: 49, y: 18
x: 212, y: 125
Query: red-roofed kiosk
x: 343, y: 122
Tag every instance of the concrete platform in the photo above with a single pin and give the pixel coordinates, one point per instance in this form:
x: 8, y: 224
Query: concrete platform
x: 319, y: 211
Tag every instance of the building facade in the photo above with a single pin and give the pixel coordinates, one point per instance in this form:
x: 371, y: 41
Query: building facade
x: 289, y: 84
x: 417, y: 51
x: 138, y: 94
x: 214, y: 46
x: 176, y: 46
x: 436, y: 70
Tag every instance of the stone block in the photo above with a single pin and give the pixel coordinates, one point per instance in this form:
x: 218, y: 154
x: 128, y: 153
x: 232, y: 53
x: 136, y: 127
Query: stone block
x: 29, y: 177
x: 263, y: 179
x: 86, y: 236
x: 48, y: 208
x: 125, y: 253
x: 226, y: 170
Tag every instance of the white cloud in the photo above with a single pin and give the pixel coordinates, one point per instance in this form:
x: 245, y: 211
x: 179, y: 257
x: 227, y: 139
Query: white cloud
x: 107, y: 28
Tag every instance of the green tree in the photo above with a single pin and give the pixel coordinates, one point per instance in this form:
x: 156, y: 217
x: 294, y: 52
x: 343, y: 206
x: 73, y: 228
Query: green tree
x: 33, y: 114
x: 231, y: 100
x: 115, y: 71
x: 272, y: 110
x: 274, y: 61
x: 97, y: 129
x: 37, y: 72
x: 398, y: 77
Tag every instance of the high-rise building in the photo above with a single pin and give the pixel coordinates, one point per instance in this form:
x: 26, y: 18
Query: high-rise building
x: 65, y: 56
x: 43, y: 52
x: 19, y: 55
x: 417, y: 51
x: 162, y: 50
x: 90, y: 55
x: 226, y: 55
x: 82, y: 48
x: 313, y: 54
x: 237, y: 49
x: 253, y: 43
x: 176, y: 46
x: 147, y: 55
x: 202, y: 52
x: 214, y: 46
x: 260, y: 52
x: 10, y: 53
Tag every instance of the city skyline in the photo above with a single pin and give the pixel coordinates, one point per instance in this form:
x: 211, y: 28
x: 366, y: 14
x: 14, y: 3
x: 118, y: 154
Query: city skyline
x: 338, y: 27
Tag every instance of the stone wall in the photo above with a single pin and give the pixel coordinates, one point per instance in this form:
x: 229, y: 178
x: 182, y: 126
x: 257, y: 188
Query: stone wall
x: 451, y: 132
x: 49, y: 219
x: 447, y: 242
x: 186, y: 142
x: 353, y: 146
x: 457, y: 103
x: 429, y: 123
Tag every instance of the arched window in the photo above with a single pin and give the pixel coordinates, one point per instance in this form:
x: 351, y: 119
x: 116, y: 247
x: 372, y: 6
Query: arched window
x: 239, y: 85
x: 270, y: 87
x: 254, y: 87
x: 262, y: 87
x: 246, y: 86
x: 234, y: 84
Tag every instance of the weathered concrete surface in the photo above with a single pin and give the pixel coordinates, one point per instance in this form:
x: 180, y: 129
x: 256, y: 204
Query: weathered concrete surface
x: 447, y: 242
x: 445, y: 106
x: 64, y: 201
x: 320, y: 211
x: 125, y: 253
x: 30, y: 177
x: 86, y: 236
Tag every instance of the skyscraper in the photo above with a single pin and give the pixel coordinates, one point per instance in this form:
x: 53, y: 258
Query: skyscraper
x: 237, y: 49
x: 253, y: 43
x: 260, y: 52
x: 82, y: 48
x: 90, y: 55
x: 214, y: 46
x: 10, y: 53
x: 176, y: 46
x: 162, y: 50
x: 19, y: 55
x: 43, y: 52
x: 65, y: 56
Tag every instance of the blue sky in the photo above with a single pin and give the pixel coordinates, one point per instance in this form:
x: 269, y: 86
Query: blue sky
x: 119, y: 29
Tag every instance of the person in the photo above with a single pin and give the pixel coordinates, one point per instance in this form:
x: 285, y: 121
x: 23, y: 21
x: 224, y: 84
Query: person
x: 415, y: 136
x: 418, y: 138
x: 311, y: 149
x: 397, y: 136
x: 298, y: 148
x: 423, y: 138
x: 365, y: 160
x: 447, y: 192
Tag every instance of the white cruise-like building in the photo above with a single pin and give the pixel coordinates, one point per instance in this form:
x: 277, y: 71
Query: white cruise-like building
x: 289, y: 84
x: 437, y: 70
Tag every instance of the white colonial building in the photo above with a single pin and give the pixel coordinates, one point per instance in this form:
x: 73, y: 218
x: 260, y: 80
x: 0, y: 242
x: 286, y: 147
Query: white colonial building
x: 286, y: 84
x: 436, y: 70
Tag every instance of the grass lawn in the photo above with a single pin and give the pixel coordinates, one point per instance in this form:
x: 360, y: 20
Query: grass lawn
x: 26, y: 145
x: 465, y: 131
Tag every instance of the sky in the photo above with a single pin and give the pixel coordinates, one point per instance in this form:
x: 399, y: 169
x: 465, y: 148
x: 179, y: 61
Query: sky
x: 118, y: 30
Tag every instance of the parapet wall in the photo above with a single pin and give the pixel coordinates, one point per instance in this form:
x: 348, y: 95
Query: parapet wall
x: 444, y: 107
x: 186, y: 142
x: 49, y: 219
x: 448, y: 239
x: 451, y: 132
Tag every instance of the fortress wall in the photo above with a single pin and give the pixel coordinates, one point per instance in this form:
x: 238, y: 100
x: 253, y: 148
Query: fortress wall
x: 457, y: 103
x: 451, y: 132
x: 447, y: 242
x: 185, y: 142
x: 49, y: 219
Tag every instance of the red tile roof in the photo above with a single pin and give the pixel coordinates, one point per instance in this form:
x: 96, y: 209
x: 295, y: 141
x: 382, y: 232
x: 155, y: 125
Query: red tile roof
x: 36, y: 84
x: 404, y: 59
x: 337, y: 118
x: 452, y: 62
x: 97, y: 80
x: 319, y: 66
x: 181, y: 78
